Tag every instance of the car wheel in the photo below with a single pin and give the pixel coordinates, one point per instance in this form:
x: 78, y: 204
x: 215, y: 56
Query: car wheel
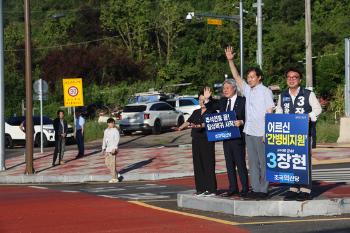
x: 127, y: 133
x: 180, y: 121
x: 8, y: 141
x: 37, y: 140
x: 157, y: 128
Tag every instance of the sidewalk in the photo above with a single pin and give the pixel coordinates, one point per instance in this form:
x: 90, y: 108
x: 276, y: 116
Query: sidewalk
x: 135, y: 164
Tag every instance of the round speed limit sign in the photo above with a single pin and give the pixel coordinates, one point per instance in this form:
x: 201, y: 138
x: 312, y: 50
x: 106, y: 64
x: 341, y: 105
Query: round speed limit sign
x: 73, y: 91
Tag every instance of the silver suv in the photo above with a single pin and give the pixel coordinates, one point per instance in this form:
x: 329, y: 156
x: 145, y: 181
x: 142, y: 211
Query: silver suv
x: 149, y: 117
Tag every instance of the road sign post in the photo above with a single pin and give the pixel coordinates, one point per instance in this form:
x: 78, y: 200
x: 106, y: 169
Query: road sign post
x: 40, y: 88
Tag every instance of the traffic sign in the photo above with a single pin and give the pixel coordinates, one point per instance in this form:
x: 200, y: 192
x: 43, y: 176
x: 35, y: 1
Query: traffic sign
x: 217, y: 22
x: 73, y: 92
x: 44, y: 87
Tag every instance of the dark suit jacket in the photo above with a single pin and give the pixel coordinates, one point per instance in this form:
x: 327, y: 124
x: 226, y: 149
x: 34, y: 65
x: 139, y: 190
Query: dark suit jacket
x: 58, y: 127
x: 239, y: 108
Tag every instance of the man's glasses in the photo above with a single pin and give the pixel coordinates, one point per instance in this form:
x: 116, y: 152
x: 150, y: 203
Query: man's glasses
x: 293, y: 77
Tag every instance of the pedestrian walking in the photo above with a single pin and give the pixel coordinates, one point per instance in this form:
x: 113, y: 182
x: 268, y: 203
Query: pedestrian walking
x: 79, y: 133
x: 61, y: 127
x: 259, y: 101
x: 203, y: 151
x: 298, y: 100
x: 110, y: 148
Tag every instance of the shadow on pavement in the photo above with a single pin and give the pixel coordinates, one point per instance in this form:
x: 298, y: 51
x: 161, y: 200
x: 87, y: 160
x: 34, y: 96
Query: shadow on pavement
x: 67, y: 161
x: 136, y: 166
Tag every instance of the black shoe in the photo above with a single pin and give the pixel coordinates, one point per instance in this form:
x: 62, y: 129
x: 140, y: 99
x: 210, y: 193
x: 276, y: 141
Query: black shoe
x: 243, y: 194
x: 229, y: 194
x: 262, y: 196
x: 251, y: 196
x: 302, y: 196
x: 290, y: 196
x: 120, y: 178
x: 53, y: 164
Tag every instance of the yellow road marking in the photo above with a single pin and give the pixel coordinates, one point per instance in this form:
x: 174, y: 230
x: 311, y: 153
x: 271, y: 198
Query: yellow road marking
x: 184, y: 213
x: 235, y: 223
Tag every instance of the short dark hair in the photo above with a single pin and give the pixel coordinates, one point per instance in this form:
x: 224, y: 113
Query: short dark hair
x: 296, y: 70
x: 60, y: 111
x: 110, y: 120
x: 257, y: 71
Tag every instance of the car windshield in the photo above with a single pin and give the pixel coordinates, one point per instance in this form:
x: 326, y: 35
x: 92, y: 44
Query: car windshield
x: 46, y: 121
x: 16, y: 121
x: 134, y: 108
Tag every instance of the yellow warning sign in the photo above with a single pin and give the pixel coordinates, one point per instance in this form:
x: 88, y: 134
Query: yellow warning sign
x: 73, y: 92
x: 214, y: 22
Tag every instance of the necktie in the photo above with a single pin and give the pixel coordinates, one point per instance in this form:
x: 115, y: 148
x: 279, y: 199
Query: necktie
x: 229, y: 105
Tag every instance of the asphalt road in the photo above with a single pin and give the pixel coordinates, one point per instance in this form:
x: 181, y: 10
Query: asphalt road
x: 163, y: 194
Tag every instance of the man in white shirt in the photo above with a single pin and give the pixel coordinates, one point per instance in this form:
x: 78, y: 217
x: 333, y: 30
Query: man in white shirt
x: 297, y: 100
x: 259, y: 101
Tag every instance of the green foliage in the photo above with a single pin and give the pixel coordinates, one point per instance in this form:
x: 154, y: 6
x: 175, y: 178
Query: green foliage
x: 124, y: 46
x: 327, y: 131
x: 337, y: 104
x: 93, y: 130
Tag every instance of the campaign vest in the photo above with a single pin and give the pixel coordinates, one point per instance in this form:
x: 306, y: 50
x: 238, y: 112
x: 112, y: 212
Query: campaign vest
x: 301, y: 103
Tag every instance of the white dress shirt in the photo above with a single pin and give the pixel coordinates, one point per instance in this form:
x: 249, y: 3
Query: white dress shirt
x: 259, y: 100
x: 233, y: 101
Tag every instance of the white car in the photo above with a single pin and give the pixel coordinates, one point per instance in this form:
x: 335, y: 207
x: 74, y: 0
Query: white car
x: 186, y: 105
x: 15, y: 136
x: 149, y: 117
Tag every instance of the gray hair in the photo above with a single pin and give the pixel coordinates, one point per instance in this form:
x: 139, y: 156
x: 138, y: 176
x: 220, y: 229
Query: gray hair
x: 230, y: 81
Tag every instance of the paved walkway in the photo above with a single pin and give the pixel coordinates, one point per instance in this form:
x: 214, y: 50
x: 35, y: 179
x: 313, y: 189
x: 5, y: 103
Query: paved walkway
x: 137, y: 163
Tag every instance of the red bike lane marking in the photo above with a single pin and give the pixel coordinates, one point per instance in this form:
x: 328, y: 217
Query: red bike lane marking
x: 26, y: 209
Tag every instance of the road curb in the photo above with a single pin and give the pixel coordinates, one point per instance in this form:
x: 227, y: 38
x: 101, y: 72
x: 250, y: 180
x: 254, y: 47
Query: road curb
x: 30, y: 179
x: 272, y: 207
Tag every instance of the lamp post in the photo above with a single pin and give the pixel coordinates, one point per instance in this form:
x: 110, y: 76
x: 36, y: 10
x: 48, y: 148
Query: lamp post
x: 308, y: 45
x: 235, y: 18
x: 29, y: 92
x: 2, y: 93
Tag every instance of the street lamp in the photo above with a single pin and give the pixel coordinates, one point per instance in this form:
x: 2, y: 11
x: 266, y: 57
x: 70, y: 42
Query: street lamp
x: 29, y: 92
x: 2, y: 92
x: 234, y: 18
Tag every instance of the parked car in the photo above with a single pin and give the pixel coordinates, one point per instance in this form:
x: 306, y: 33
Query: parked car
x: 149, y: 117
x: 186, y: 105
x: 14, y: 135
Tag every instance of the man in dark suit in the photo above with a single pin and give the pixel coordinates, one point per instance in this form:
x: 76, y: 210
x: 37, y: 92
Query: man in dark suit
x: 61, y: 127
x: 234, y: 149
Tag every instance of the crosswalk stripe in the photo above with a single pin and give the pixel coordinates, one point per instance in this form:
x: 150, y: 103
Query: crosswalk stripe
x: 332, y: 175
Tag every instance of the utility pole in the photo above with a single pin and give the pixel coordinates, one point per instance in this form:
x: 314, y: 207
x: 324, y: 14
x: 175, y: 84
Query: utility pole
x: 2, y: 93
x: 308, y: 45
x: 259, y: 37
x: 241, y: 37
x: 29, y: 92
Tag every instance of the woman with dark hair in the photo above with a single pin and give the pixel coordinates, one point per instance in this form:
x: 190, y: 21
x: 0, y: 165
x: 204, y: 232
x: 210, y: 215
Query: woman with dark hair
x: 203, y: 151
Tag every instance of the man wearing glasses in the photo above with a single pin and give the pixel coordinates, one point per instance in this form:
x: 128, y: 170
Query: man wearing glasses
x: 298, y: 100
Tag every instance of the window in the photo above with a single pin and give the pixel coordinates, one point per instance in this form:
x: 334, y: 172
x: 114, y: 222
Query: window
x: 135, y: 108
x: 46, y: 121
x: 166, y: 107
x: 155, y: 107
x: 185, y: 103
x: 172, y: 103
